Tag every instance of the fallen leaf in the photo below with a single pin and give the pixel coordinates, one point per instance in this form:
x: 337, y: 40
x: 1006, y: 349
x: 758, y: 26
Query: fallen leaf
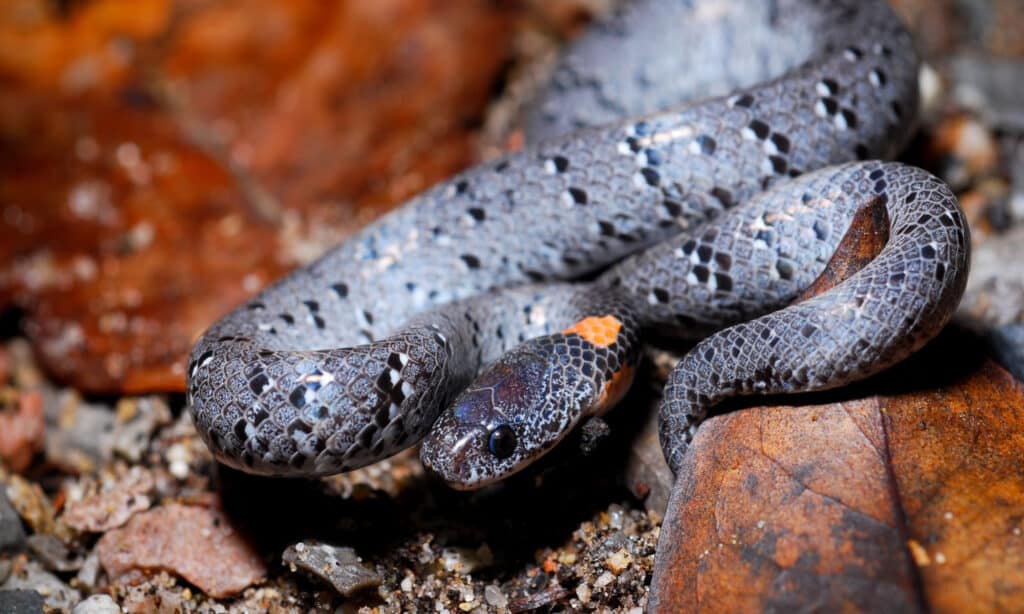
x: 168, y: 160
x: 906, y: 500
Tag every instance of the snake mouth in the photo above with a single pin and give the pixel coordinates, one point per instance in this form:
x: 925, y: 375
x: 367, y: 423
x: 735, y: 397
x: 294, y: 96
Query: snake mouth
x: 451, y: 452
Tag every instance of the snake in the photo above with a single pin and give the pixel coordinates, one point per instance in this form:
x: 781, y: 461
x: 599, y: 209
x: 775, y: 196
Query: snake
x: 691, y: 167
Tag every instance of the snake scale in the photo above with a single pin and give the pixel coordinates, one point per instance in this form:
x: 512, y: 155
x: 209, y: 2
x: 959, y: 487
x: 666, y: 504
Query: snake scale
x: 753, y: 133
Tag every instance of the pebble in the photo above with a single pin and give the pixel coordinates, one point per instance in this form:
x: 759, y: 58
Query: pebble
x: 137, y: 420
x: 113, y: 506
x: 79, y: 438
x: 340, y: 566
x: 22, y: 431
x: 613, y: 543
x: 618, y: 562
x: 1008, y: 345
x: 604, y: 579
x: 989, y: 85
x: 197, y: 543
x: 995, y: 287
x: 178, y: 458
x: 21, y: 602
x: 583, y: 593
x: 53, y: 554
x: 97, y: 604
x: 466, y: 560
x: 494, y: 597
x: 12, y: 534
x: 615, y: 516
x: 89, y: 574
x: 32, y: 505
x: 30, y: 576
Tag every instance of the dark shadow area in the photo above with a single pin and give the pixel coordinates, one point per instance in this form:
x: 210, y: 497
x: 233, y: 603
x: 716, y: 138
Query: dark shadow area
x: 10, y: 322
x: 539, y: 507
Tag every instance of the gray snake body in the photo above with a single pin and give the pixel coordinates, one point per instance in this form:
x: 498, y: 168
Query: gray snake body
x: 710, y: 216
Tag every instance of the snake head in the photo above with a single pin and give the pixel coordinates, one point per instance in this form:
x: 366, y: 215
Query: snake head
x: 514, y: 412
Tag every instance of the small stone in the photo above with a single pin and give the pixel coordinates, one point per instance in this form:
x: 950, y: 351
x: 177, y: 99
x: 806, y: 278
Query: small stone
x: 22, y: 431
x: 97, y: 604
x: 567, y: 557
x: 12, y: 534
x: 80, y: 437
x: 604, y: 579
x: 32, y: 504
x: 21, y: 602
x: 179, y: 457
x: 465, y: 560
x: 198, y: 543
x: 583, y: 593
x: 619, y: 561
x: 112, y: 507
x: 52, y: 553
x: 89, y: 573
x: 967, y: 147
x: 406, y: 584
x: 137, y: 420
x: 613, y: 543
x: 615, y: 516
x: 31, y: 576
x: 154, y: 596
x: 340, y: 566
x: 494, y: 597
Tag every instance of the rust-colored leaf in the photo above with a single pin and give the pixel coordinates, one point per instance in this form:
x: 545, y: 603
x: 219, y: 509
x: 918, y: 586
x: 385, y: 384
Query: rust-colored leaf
x: 866, y: 236
x: 955, y: 456
x: 165, y: 160
x: 902, y: 501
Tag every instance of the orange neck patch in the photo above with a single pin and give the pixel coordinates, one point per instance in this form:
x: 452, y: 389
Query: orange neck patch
x: 602, y: 331
x: 614, y: 389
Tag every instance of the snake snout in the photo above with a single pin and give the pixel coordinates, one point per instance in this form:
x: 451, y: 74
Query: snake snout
x: 451, y: 449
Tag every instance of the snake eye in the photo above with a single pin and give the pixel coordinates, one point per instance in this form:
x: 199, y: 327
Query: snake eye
x: 502, y: 441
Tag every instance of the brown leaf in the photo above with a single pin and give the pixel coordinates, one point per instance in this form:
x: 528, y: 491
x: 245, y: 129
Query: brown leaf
x: 908, y: 500
x: 866, y: 236
x: 166, y: 160
x: 197, y: 543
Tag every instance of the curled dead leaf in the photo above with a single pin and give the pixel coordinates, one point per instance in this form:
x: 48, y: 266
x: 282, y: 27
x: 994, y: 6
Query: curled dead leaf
x: 906, y: 500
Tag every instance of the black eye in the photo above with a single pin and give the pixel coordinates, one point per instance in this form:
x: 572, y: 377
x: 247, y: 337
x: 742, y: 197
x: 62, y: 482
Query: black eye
x: 502, y: 441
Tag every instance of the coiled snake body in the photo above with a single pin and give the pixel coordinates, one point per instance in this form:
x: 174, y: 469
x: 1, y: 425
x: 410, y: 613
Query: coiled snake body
x: 711, y: 216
